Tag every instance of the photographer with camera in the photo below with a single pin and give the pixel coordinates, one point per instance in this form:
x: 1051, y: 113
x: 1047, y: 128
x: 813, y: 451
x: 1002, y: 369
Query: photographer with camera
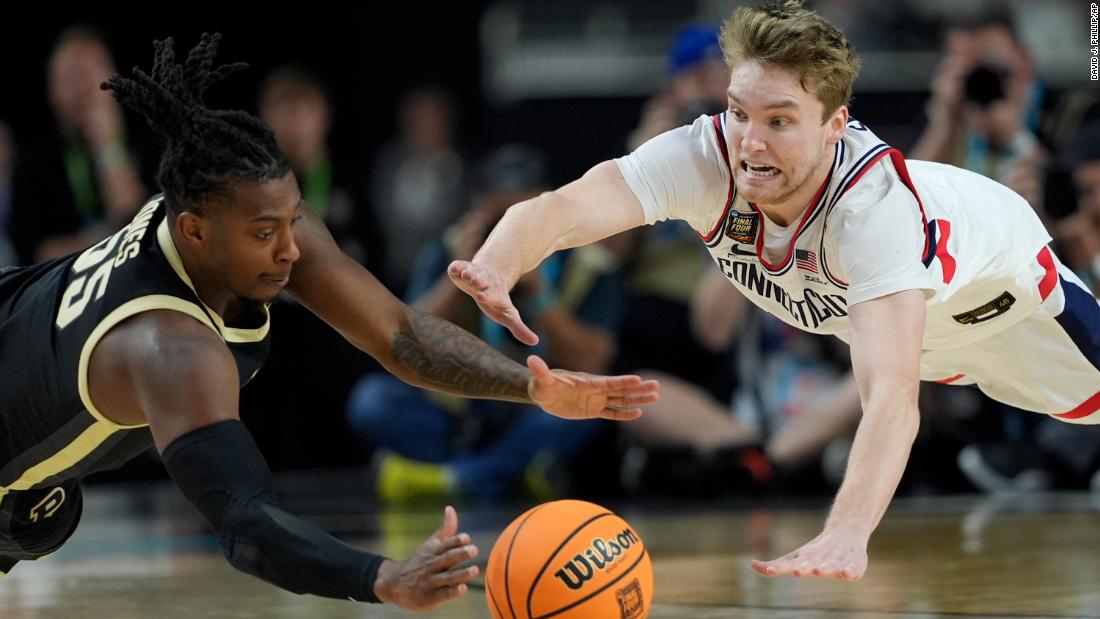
x: 984, y: 106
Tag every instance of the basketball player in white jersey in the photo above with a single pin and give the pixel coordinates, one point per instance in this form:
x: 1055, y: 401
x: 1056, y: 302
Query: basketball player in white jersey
x: 928, y: 271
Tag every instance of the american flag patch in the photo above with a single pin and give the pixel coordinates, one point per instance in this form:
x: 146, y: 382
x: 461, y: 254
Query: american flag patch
x: 805, y: 260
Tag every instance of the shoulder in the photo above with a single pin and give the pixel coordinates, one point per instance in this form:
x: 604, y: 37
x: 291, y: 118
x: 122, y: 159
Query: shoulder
x: 164, y: 343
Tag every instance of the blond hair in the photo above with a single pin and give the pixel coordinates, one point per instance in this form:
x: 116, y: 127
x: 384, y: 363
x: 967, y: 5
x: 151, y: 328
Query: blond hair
x: 784, y: 34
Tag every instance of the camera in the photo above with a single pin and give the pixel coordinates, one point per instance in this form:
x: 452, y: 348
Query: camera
x: 984, y: 85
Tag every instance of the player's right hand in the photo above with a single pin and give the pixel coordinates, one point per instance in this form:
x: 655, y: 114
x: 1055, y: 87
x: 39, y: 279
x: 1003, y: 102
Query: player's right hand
x: 432, y: 575
x: 488, y: 289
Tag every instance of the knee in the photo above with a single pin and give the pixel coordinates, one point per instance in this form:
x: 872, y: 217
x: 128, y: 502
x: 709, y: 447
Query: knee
x: 371, y: 403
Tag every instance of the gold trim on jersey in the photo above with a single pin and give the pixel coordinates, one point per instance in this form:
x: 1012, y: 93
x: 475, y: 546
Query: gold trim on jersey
x: 229, y: 334
x: 65, y: 458
x: 122, y: 312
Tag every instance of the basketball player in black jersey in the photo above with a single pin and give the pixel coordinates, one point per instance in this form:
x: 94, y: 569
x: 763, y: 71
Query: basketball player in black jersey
x: 147, y: 337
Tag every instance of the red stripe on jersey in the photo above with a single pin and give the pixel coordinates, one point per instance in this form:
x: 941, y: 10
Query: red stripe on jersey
x: 1086, y: 408
x: 1050, y: 279
x: 729, y: 196
x: 948, y: 381
x: 903, y: 173
x: 947, y: 261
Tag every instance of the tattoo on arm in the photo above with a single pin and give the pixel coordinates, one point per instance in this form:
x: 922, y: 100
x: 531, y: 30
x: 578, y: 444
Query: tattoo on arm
x: 446, y: 357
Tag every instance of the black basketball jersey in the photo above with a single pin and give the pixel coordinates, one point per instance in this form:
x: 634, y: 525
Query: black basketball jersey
x: 52, y: 315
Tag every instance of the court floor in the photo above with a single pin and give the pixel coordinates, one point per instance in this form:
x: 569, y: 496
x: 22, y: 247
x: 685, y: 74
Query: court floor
x: 142, y: 552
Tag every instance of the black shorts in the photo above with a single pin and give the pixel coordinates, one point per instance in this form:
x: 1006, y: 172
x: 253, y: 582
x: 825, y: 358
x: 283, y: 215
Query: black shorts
x: 34, y: 523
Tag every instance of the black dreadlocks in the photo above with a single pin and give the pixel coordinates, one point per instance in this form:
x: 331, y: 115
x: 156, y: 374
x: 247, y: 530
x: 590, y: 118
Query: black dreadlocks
x: 207, y: 149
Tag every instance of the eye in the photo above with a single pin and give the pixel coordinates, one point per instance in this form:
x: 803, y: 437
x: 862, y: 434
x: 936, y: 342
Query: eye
x: 780, y: 122
x: 738, y: 114
x: 296, y: 219
x: 264, y: 235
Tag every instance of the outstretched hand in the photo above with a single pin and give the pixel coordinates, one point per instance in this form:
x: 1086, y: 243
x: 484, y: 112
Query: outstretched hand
x: 432, y: 575
x: 489, y: 290
x: 578, y: 395
x: 829, y: 555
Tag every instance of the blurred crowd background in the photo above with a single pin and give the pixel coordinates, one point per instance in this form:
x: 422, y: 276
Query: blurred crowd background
x: 412, y: 127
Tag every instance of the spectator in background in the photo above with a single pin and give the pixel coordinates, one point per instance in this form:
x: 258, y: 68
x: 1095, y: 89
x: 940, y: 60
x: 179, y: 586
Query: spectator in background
x: 985, y: 102
x: 7, y: 163
x: 1083, y: 254
x: 447, y: 445
x: 662, y: 264
x: 78, y: 184
x: 294, y: 103
x: 418, y: 181
x: 793, y: 401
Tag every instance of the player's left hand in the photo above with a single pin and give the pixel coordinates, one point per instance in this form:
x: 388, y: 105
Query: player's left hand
x: 578, y: 395
x: 829, y: 555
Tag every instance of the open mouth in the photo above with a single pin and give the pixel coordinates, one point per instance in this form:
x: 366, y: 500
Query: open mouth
x: 759, y: 171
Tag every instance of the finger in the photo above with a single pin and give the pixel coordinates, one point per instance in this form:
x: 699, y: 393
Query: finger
x: 439, y: 596
x: 453, y: 557
x: 632, y: 400
x: 778, y: 567
x: 615, y: 414
x: 442, y: 545
x: 460, y: 272
x: 764, y: 568
x: 454, y: 577
x: 520, y: 331
x: 539, y: 369
x: 449, y: 526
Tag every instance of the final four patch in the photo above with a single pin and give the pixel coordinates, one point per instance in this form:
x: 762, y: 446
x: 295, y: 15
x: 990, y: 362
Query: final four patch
x: 741, y: 227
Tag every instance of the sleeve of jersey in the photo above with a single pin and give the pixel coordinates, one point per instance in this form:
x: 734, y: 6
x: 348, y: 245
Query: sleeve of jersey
x: 220, y: 470
x: 679, y: 174
x: 881, y: 239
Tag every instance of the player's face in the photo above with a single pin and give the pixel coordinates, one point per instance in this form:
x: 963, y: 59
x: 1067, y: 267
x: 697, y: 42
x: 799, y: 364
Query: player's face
x: 252, y: 244
x: 778, y: 142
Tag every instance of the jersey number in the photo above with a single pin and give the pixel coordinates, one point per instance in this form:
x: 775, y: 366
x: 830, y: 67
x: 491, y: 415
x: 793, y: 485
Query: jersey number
x: 85, y: 287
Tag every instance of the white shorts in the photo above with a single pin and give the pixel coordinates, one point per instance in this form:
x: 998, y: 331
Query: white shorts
x: 1048, y: 362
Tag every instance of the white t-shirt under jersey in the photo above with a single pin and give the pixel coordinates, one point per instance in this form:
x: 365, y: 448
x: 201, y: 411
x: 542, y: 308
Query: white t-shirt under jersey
x: 877, y: 225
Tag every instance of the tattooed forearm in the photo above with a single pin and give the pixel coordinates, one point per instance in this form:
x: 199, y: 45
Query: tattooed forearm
x: 446, y: 357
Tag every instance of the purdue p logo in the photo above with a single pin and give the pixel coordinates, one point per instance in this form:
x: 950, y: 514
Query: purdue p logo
x: 49, y: 505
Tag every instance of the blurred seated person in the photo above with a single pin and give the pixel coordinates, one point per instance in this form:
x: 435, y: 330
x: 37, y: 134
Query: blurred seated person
x: 78, y: 183
x: 441, y: 445
x: 662, y: 264
x: 793, y: 400
x: 418, y: 182
x: 294, y: 103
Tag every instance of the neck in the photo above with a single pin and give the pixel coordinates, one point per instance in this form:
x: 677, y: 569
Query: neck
x: 216, y: 297
x: 791, y: 208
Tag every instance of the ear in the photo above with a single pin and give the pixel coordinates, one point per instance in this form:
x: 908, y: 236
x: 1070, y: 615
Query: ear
x: 191, y: 228
x: 836, y: 125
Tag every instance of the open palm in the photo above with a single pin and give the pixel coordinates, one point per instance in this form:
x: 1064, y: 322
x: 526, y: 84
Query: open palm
x: 579, y: 395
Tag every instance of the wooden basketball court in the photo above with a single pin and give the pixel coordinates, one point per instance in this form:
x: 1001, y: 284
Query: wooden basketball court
x: 142, y: 552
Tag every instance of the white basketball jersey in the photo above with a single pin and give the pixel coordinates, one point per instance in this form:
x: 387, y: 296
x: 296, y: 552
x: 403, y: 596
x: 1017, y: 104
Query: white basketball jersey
x: 876, y: 226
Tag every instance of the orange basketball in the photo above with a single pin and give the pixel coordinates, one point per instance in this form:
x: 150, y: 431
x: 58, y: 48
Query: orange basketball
x: 569, y: 560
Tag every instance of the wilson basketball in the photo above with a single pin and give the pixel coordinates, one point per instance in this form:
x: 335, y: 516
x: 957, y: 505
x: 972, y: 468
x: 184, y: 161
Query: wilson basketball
x: 569, y: 560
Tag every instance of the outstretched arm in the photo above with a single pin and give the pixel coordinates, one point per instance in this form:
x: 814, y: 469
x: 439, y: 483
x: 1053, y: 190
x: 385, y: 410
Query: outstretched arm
x: 595, y: 206
x: 429, y: 352
x: 886, y: 343
x: 169, y: 370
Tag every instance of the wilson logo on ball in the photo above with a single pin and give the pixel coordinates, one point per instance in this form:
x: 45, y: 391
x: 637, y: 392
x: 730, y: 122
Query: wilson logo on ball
x: 601, y: 553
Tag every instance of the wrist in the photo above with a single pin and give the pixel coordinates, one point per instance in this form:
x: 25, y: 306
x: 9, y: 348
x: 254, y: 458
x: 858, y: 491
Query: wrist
x: 387, y: 571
